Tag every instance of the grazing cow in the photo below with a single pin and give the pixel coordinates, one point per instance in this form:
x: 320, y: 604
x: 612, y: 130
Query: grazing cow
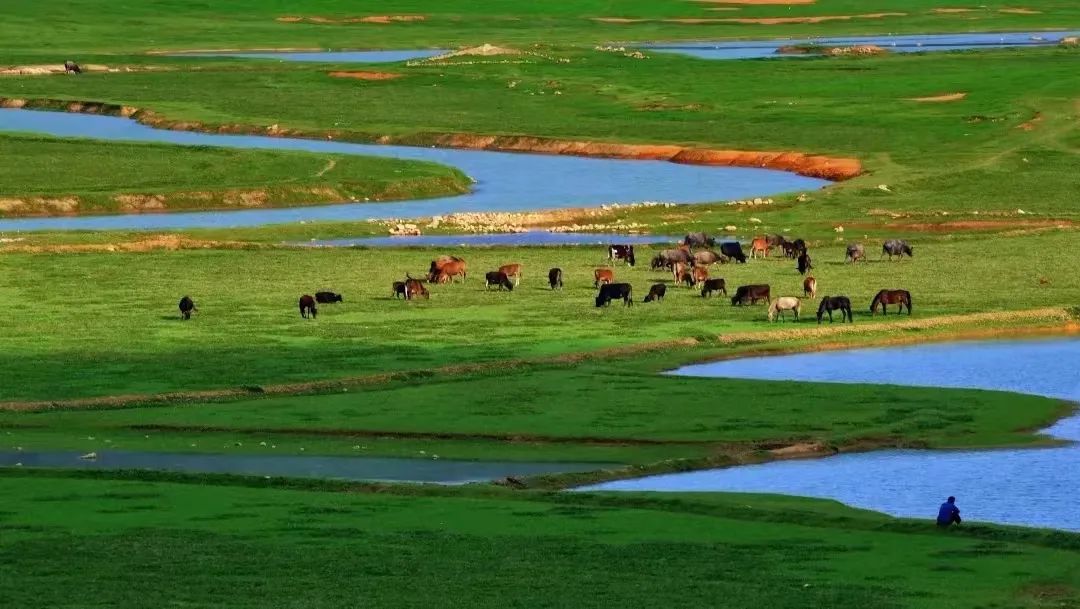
x: 707, y: 257
x: 835, y: 303
x: 784, y: 303
x: 70, y: 67
x: 809, y: 287
x: 622, y: 252
x: 603, y: 276
x: 512, y: 270
x: 699, y: 239
x: 414, y: 288
x: 699, y: 274
x: 500, y: 280
x: 751, y: 294
x: 678, y: 270
x: 775, y: 240
x: 896, y: 247
x: 307, y: 307
x: 614, y: 291
x: 855, y: 252
x: 445, y: 268
x: 398, y: 289
x: 733, y: 249
x: 668, y: 258
x: 804, y: 263
x: 555, y: 278
x: 759, y: 245
x: 187, y: 305
x: 327, y: 297
x: 656, y: 293
x: 713, y: 285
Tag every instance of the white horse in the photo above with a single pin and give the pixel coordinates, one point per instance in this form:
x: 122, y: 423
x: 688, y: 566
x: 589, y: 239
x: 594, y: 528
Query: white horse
x: 784, y: 303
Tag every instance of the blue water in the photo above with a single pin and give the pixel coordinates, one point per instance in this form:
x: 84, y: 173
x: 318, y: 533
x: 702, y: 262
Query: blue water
x: 1033, y: 487
x: 505, y: 181
x: 440, y: 471
x: 327, y: 56
x: 755, y: 49
x: 491, y: 239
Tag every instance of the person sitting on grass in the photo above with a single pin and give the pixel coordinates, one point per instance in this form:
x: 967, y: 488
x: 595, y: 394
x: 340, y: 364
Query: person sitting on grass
x: 948, y: 513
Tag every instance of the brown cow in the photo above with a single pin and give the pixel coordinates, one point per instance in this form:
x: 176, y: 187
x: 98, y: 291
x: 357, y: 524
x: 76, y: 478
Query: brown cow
x: 414, y: 289
x: 760, y: 245
x: 307, y: 307
x: 699, y: 273
x: 603, y: 276
x: 809, y: 286
x: 445, y: 268
x: 678, y: 269
x: 512, y: 270
x: 707, y: 257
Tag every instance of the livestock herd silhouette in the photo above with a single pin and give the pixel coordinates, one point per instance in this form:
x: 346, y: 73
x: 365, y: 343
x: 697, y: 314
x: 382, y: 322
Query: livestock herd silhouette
x: 685, y: 265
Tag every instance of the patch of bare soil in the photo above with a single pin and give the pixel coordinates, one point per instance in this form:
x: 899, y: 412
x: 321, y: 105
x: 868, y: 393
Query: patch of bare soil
x: 949, y: 11
x: 1032, y: 123
x: 156, y: 242
x: 1019, y: 11
x: 967, y: 225
x: 947, y: 97
x: 378, y: 19
x: 800, y: 451
x: 361, y: 75
x: 58, y: 68
x: 752, y: 20
x: 39, y: 206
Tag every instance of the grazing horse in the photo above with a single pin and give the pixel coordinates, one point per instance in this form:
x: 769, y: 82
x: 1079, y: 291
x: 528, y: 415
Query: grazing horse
x: 789, y: 249
x: 187, y: 305
x: 804, y: 263
x: 713, y: 285
x: 809, y: 287
x: 888, y: 297
x: 760, y: 245
x: 751, y: 294
x: 855, y: 252
x: 896, y: 247
x: 414, y: 288
x: 445, y: 268
x: 835, y: 303
x: 307, y: 307
x: 500, y: 280
x: 656, y: 293
x: 733, y: 249
x: 707, y: 257
x: 70, y: 67
x: 603, y: 276
x: 613, y: 291
x: 775, y: 240
x: 327, y: 297
x: 784, y: 303
x: 699, y: 239
x: 398, y: 289
x: 555, y: 278
x: 621, y: 252
x: 668, y: 258
x: 799, y: 247
x: 512, y: 270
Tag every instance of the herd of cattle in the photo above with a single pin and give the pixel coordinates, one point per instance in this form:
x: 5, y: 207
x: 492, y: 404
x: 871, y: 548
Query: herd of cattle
x: 686, y: 266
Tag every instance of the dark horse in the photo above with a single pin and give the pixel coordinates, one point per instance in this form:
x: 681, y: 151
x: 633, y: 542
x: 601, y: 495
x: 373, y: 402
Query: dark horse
x: 835, y: 303
x: 888, y: 297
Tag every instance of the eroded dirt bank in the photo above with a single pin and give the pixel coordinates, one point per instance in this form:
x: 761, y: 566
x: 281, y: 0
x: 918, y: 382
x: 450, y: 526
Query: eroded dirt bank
x: 815, y: 166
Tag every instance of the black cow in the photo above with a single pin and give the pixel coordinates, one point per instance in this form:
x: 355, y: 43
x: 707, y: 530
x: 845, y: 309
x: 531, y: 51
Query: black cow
x: 327, y: 297
x: 622, y: 252
x: 750, y: 294
x: 656, y: 293
x: 70, y: 67
x: 896, y: 247
x: 613, y: 291
x: 699, y: 239
x: 713, y: 285
x: 555, y: 278
x: 804, y: 263
x: 307, y: 307
x: 733, y: 249
x: 187, y: 305
x: 500, y: 280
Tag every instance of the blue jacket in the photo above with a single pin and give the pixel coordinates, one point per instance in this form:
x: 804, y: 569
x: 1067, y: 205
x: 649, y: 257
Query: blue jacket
x: 946, y: 512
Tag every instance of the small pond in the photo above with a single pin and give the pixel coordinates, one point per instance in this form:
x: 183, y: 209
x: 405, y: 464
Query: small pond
x: 1032, y: 487
x: 504, y: 181
x: 439, y: 471
x: 756, y: 49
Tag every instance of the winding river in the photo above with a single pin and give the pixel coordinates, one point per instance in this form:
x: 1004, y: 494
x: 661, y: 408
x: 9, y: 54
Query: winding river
x: 505, y: 181
x: 1031, y: 487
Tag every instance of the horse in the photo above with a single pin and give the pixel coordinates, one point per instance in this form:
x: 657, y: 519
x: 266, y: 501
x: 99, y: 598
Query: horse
x: 888, y: 297
x: 500, y: 280
x: 668, y: 258
x: 751, y: 294
x: 512, y: 270
x: 707, y: 257
x: 307, y: 307
x: 855, y: 252
x: 603, y: 276
x: 621, y: 252
x: 804, y: 263
x: 775, y: 240
x: 699, y: 239
x: 835, y: 303
x: 759, y: 245
x: 70, y: 67
x: 656, y: 293
x: 398, y: 289
x: 784, y: 303
x: 612, y: 291
x: 809, y: 287
x: 555, y: 278
x: 896, y: 247
x: 187, y: 305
